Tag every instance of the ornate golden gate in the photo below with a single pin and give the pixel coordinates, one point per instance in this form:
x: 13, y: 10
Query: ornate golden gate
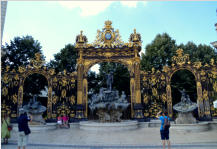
x: 157, y: 86
x: 108, y: 47
x: 61, y: 97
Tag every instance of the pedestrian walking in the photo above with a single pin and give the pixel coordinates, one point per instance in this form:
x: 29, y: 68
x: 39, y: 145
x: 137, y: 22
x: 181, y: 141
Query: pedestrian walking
x: 5, y: 128
x: 23, y: 129
x: 164, y: 128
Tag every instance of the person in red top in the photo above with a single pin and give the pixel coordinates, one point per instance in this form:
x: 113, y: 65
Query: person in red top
x: 65, y: 120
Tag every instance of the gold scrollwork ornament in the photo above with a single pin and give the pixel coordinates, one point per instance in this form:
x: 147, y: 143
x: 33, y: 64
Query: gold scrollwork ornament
x: 215, y: 86
x: 5, y: 91
x: 63, y: 93
x: 145, y: 99
x: 72, y: 99
x: 14, y: 98
x: 55, y: 99
x: 205, y: 95
x: 5, y: 79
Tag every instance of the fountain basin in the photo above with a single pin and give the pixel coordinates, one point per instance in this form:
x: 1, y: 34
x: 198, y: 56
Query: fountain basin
x: 37, y: 128
x: 112, y: 126
x: 197, y: 127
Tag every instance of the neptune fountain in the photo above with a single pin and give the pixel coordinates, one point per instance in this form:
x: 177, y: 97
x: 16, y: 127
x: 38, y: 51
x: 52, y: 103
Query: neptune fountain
x: 185, y: 108
x: 108, y: 104
x: 35, y: 109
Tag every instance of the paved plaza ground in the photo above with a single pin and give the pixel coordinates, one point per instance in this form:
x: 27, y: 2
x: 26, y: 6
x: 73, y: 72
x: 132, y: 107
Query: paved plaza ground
x: 147, y: 138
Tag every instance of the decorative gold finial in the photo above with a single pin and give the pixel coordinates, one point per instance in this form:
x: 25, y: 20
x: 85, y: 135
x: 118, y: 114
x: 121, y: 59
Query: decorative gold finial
x: 108, y: 24
x: 135, y: 37
x: 180, y: 59
x: 38, y: 56
x: 81, y: 38
x: 179, y: 52
x: 38, y: 61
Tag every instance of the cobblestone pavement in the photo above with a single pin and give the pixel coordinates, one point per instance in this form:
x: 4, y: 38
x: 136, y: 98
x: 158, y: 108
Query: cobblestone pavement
x: 53, y: 146
x: 142, y: 138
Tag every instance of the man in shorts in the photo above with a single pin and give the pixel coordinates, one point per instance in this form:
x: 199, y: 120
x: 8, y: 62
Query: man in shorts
x: 23, y: 129
x: 164, y: 133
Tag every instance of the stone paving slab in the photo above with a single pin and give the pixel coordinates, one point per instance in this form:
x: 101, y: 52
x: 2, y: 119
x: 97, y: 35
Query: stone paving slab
x: 61, y: 146
x: 142, y: 138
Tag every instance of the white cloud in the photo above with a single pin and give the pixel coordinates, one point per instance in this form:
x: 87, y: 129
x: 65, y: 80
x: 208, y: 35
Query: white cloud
x: 89, y: 8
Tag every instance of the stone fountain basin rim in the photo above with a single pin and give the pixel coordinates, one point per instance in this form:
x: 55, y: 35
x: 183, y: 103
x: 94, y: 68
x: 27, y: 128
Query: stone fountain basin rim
x: 108, y: 124
x: 195, y: 124
x: 197, y: 127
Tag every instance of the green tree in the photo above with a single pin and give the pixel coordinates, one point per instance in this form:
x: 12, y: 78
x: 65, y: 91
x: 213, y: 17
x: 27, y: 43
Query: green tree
x: 94, y: 82
x: 158, y: 53
x: 65, y: 59
x: 19, y: 51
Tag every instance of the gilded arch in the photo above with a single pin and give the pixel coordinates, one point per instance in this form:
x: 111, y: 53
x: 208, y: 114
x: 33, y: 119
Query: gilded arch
x: 161, y: 80
x: 108, y: 47
x: 61, y: 98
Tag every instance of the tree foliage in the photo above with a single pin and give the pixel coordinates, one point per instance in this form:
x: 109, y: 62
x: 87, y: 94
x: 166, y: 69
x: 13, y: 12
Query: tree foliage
x: 33, y: 85
x: 65, y: 59
x: 19, y: 51
x: 158, y: 53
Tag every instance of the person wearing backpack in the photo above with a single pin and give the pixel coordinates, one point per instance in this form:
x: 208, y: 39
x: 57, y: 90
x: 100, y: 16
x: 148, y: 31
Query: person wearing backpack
x: 23, y: 129
x: 164, y: 129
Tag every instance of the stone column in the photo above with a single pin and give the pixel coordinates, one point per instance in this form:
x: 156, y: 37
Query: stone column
x: 80, y: 88
x: 132, y: 92
x: 169, y: 101
x: 200, y: 100
x: 85, y: 96
x: 49, y: 102
x: 138, y: 108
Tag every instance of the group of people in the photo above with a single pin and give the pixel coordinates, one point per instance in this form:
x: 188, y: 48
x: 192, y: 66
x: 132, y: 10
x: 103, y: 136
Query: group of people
x: 63, y: 121
x: 23, y: 128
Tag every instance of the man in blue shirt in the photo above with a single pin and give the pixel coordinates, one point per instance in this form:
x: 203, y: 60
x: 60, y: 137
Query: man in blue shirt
x: 164, y: 132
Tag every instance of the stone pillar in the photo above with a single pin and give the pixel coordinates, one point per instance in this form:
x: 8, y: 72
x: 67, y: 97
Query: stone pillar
x: 138, y: 108
x: 206, y: 102
x: 169, y: 101
x: 200, y: 100
x: 80, y: 88
x: 132, y: 92
x: 49, y: 102
x: 85, y: 96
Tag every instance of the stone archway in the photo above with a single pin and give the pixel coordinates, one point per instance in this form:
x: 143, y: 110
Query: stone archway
x: 108, y: 47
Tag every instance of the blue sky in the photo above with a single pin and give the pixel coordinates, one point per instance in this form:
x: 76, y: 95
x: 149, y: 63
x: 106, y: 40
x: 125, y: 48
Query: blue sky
x: 55, y: 24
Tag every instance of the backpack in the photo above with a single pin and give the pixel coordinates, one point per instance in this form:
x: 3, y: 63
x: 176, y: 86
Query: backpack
x: 166, y: 125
